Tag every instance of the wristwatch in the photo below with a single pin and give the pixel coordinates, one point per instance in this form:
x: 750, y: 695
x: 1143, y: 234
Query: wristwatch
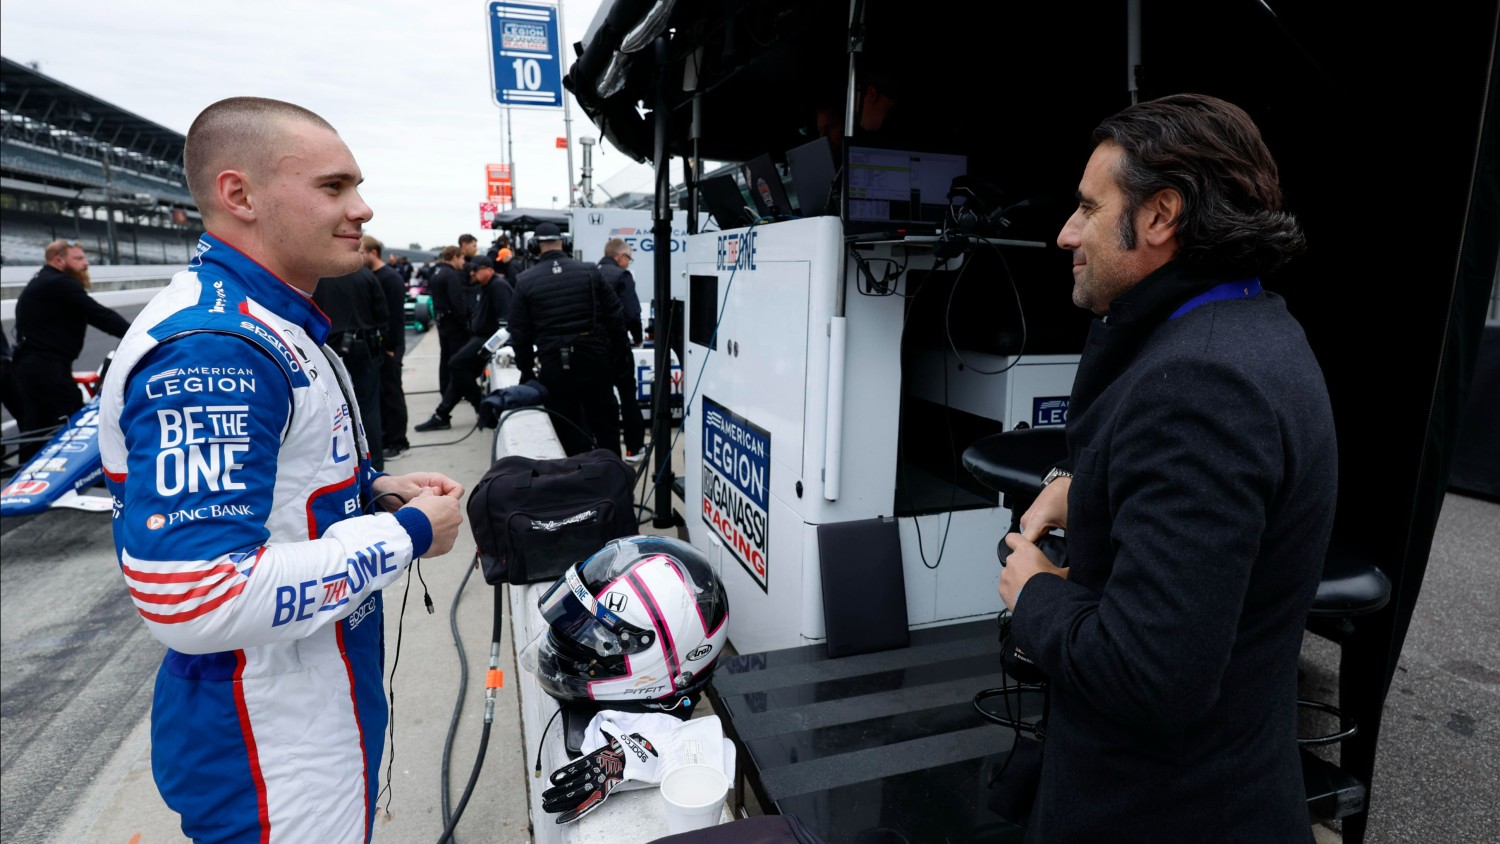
x: 1055, y: 473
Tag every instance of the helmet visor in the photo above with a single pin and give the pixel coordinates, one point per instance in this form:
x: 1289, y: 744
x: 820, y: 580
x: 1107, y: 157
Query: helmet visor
x: 574, y: 614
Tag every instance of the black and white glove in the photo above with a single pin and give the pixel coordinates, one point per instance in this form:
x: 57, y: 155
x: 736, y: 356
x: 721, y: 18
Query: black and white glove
x: 582, y: 785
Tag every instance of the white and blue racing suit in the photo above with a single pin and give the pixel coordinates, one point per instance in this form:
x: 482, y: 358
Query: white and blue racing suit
x: 240, y: 478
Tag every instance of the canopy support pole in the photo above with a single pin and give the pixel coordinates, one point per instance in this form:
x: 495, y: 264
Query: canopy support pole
x: 661, y: 232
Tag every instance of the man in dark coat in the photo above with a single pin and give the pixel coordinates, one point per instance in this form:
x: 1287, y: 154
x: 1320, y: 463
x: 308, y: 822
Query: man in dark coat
x: 53, y: 315
x: 615, y: 267
x: 392, y: 394
x: 357, y: 314
x: 450, y: 305
x: 1200, y: 504
x: 564, y: 309
x: 469, y: 361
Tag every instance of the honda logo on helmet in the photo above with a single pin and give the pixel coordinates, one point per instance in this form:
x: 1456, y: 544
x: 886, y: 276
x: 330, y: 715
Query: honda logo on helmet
x: 614, y: 601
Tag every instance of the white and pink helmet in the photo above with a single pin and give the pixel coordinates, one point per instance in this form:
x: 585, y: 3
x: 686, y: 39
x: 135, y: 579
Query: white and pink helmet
x: 643, y: 620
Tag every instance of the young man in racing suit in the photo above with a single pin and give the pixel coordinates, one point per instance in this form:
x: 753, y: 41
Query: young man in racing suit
x: 252, y: 532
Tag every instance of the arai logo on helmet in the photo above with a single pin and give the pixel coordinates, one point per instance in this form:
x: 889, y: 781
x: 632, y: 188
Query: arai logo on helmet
x: 700, y: 652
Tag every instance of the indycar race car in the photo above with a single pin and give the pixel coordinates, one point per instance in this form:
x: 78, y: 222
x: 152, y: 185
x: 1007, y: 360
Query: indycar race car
x: 418, y: 309
x: 63, y: 471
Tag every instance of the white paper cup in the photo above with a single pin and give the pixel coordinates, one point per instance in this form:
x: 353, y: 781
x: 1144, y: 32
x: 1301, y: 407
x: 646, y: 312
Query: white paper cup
x: 693, y: 796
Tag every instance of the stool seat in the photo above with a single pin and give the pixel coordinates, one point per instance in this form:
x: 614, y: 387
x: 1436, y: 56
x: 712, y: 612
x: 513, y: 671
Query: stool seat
x: 1014, y: 462
x: 1351, y: 585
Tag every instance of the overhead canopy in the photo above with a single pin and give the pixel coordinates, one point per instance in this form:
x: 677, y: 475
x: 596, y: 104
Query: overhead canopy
x: 526, y: 219
x: 742, y: 52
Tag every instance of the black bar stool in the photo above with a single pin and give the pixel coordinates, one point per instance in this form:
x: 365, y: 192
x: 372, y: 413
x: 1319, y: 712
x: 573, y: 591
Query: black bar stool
x: 1014, y: 462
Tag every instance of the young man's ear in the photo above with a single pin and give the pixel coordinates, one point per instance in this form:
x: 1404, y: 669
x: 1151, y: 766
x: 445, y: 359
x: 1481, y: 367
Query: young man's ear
x: 232, y: 190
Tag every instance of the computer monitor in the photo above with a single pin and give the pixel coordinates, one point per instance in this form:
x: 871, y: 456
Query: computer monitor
x: 896, y: 191
x: 813, y: 172
x: 724, y: 200
x: 766, y: 189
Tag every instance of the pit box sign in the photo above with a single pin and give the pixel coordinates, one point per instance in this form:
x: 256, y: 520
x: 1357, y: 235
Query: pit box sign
x: 736, y: 478
x: 525, y: 61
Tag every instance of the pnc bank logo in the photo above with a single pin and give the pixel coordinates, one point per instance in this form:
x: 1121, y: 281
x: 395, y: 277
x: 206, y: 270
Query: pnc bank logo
x: 156, y: 521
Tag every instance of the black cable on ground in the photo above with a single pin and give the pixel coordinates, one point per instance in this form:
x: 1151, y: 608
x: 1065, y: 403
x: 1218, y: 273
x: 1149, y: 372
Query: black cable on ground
x: 492, y: 683
x: 470, y: 433
x: 463, y: 688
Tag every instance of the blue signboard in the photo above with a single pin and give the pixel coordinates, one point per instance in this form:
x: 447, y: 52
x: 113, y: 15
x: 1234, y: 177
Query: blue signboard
x: 736, y: 487
x: 1049, y: 411
x: 525, y: 57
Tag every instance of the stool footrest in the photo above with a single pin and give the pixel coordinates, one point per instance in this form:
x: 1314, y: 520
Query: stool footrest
x: 1332, y: 792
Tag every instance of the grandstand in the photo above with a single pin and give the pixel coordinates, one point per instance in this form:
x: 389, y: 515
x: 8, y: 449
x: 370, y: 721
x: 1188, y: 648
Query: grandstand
x: 76, y: 167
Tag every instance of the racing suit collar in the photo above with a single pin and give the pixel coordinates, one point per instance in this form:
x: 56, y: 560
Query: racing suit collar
x: 216, y: 257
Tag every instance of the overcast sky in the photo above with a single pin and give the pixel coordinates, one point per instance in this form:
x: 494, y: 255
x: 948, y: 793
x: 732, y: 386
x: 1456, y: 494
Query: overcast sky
x: 406, y: 84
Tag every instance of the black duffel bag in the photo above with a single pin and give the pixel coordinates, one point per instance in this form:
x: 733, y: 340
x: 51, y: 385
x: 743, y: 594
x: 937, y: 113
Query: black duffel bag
x: 533, y: 518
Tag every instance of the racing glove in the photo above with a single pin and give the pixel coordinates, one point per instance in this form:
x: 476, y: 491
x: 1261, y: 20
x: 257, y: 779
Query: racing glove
x: 581, y: 786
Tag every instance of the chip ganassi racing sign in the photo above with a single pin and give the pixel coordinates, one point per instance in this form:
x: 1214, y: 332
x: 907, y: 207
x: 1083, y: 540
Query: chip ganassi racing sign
x: 736, y: 472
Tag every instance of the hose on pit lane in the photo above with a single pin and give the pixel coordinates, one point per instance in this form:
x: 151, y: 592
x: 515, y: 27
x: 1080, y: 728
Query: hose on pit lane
x: 463, y: 687
x: 492, y: 682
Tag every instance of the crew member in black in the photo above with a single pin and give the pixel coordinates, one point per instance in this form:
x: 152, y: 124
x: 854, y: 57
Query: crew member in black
x: 357, y: 314
x: 468, y: 244
x: 450, y: 306
x: 468, y: 362
x: 615, y: 267
x: 505, y: 259
x: 564, y: 309
x: 52, y: 316
x: 392, y: 396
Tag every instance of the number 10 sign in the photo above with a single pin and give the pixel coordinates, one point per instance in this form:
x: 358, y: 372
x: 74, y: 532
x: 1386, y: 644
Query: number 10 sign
x: 525, y: 59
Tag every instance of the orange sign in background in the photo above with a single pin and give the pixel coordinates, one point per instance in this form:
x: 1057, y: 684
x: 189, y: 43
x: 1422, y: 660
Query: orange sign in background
x: 498, y: 184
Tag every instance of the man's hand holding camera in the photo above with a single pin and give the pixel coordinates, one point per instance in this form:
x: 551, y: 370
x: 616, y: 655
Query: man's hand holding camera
x: 1049, y: 512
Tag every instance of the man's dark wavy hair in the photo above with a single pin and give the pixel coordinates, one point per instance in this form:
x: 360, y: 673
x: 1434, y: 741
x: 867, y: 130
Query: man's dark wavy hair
x: 1211, y: 152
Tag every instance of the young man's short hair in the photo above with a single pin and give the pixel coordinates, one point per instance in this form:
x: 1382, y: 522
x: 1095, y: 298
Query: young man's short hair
x: 372, y: 245
x: 467, y: 238
x: 235, y: 134
x: 449, y: 253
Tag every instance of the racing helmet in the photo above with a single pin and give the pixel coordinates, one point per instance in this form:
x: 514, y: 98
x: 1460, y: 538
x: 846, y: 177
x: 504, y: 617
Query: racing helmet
x: 641, y: 624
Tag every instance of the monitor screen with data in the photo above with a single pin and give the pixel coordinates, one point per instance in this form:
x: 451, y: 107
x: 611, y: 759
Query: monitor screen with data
x: 897, y: 191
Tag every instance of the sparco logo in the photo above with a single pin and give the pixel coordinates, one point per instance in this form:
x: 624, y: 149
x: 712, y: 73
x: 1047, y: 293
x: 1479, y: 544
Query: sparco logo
x: 615, y: 602
x: 638, y: 745
x: 700, y: 652
x: 551, y: 527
